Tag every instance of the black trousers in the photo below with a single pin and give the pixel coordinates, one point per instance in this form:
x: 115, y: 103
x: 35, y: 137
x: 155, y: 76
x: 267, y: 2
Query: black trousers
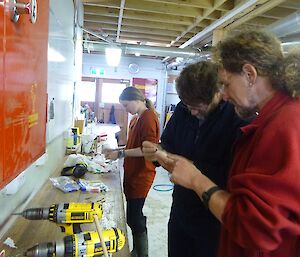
x: 135, y: 217
x: 190, y: 244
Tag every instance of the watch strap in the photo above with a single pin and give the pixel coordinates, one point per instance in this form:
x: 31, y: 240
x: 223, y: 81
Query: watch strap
x: 121, y: 153
x: 207, y: 195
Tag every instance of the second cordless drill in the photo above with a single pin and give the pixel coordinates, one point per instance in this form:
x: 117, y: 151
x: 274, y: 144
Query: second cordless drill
x: 68, y: 216
x: 86, y: 244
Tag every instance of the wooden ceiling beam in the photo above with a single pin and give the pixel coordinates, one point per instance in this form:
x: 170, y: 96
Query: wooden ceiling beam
x: 256, y: 11
x: 214, y: 15
x: 90, y: 22
x: 226, y: 6
x: 104, y: 27
x: 154, y: 24
x: 108, y: 3
x: 206, y: 13
x: 261, y: 21
x: 149, y: 31
x: 148, y: 36
x: 189, y: 3
x: 291, y: 4
x: 144, y: 40
x: 134, y: 15
x: 104, y: 19
x: 109, y: 12
x: 277, y: 13
x: 162, y: 8
x: 125, y: 38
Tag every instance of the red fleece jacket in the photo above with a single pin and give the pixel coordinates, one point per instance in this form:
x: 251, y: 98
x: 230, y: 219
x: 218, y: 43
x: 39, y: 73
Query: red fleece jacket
x: 262, y: 218
x: 138, y: 172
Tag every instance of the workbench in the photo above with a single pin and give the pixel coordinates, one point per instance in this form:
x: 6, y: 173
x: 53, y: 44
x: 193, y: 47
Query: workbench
x: 27, y: 233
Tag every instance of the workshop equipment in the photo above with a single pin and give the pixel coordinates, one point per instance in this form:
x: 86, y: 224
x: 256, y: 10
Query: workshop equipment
x: 76, y: 171
x: 86, y: 244
x: 68, y: 216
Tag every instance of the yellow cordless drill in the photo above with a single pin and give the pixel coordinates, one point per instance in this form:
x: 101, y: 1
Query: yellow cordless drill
x: 86, y: 244
x: 68, y: 216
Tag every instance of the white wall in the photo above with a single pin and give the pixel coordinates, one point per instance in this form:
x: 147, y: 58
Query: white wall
x: 61, y: 73
x: 149, y: 68
x: 61, y: 80
x: 172, y: 98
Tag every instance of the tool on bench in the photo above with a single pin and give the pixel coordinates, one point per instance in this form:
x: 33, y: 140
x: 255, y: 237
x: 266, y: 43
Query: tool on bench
x: 86, y: 244
x: 68, y: 216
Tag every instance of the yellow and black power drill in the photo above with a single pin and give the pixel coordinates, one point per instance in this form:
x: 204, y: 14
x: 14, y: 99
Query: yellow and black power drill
x: 68, y: 216
x: 86, y: 244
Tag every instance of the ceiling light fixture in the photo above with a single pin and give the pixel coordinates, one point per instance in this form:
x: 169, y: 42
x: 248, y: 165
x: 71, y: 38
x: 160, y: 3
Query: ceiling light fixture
x: 113, y: 56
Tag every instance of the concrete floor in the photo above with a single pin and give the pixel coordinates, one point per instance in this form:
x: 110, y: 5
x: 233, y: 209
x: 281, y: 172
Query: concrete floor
x: 157, y: 209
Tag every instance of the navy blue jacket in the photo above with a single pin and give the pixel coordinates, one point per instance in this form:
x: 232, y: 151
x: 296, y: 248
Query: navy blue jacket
x: 209, y: 146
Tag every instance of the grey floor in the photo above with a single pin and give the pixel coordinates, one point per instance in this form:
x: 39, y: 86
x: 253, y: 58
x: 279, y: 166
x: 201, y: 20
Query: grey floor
x: 157, y: 210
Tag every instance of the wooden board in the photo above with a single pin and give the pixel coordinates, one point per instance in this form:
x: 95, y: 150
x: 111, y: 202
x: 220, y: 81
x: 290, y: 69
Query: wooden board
x: 27, y: 233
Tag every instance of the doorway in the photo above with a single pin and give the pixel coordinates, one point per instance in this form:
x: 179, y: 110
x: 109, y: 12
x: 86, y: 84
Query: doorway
x: 106, y: 104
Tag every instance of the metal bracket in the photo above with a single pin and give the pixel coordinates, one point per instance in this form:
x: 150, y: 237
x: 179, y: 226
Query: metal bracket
x: 18, y: 8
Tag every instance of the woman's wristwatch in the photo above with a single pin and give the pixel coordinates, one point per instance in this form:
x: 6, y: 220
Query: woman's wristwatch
x: 121, y: 153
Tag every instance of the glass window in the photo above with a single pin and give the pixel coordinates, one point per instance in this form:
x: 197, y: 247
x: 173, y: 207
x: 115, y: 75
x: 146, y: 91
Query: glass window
x: 87, y: 91
x: 111, y: 92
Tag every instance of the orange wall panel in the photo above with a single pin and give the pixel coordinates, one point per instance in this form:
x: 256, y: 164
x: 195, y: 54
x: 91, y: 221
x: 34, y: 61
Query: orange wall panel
x: 2, y: 25
x: 24, y: 91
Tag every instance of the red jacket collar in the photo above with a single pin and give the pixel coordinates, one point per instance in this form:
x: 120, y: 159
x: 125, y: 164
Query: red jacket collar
x: 267, y: 111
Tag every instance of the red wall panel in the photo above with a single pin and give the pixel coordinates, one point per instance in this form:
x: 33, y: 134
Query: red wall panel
x: 24, y: 91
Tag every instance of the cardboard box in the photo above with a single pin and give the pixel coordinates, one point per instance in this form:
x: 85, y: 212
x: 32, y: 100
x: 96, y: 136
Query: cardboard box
x: 79, y: 124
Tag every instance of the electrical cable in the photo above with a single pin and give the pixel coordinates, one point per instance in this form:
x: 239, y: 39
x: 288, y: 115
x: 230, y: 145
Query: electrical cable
x: 160, y: 187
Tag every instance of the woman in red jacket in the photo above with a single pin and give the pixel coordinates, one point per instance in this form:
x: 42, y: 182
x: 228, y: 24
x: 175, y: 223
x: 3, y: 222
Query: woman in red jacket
x: 138, y: 172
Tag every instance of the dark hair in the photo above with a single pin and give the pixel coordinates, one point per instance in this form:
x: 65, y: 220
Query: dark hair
x: 258, y: 48
x: 134, y: 94
x: 197, y: 83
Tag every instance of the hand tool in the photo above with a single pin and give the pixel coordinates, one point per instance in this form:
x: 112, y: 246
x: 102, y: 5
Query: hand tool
x: 68, y: 216
x: 86, y: 244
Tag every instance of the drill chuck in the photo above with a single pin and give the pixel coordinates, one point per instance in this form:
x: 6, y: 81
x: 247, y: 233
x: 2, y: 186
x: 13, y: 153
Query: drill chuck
x: 46, y: 250
x: 36, y: 214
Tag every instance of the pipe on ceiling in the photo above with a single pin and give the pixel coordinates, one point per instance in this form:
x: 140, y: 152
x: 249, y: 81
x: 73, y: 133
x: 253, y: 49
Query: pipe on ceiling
x: 286, y: 26
x: 149, y: 50
x: 106, y: 39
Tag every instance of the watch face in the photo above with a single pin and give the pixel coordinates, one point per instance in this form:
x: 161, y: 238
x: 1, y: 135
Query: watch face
x: 133, y: 68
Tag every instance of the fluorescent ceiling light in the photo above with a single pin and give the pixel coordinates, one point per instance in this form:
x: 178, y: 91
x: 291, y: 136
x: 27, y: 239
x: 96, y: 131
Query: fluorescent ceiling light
x: 290, y: 43
x: 113, y: 56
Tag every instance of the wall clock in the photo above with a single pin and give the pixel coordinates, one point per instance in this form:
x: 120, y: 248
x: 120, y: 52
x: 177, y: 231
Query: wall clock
x: 133, y: 68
